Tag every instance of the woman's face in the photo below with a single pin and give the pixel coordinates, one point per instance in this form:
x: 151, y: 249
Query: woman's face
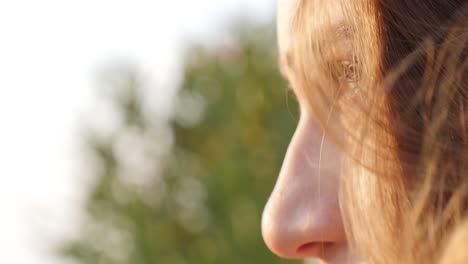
x: 302, y: 217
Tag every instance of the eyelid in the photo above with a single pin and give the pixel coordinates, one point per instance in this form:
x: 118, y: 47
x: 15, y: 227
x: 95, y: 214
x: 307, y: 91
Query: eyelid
x: 347, y: 71
x: 283, y: 71
x: 347, y: 74
x: 350, y: 68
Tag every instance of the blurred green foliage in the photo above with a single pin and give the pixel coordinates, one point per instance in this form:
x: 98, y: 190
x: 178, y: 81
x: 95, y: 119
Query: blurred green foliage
x: 190, y: 188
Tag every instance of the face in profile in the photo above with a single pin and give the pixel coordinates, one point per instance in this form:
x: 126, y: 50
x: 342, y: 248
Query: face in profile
x: 302, y: 218
x: 390, y: 132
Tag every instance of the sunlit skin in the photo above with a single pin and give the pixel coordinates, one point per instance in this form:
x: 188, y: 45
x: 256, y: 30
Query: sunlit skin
x: 302, y: 217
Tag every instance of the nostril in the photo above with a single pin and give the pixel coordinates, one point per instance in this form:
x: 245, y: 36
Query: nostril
x: 313, y: 248
x: 306, y: 247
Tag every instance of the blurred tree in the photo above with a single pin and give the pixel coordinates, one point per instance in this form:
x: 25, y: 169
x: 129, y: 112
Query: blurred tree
x: 190, y: 189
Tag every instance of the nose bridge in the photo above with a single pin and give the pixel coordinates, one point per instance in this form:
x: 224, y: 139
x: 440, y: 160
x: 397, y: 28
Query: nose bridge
x: 303, y: 207
x: 312, y: 162
x: 310, y: 149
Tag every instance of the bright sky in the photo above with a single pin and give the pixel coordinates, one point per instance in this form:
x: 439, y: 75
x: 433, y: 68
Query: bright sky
x: 49, y: 53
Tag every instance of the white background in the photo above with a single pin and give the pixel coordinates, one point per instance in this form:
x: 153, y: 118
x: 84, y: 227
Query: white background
x: 49, y: 53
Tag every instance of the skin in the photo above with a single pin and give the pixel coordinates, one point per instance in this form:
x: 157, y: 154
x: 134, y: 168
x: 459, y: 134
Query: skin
x: 302, y: 216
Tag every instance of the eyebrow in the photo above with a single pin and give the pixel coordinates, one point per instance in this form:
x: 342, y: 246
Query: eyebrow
x: 285, y: 61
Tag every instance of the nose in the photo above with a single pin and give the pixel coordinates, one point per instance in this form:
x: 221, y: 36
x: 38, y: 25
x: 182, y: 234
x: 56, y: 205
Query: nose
x: 302, y: 218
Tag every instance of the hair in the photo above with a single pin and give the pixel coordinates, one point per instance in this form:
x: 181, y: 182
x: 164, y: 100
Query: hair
x: 394, y: 75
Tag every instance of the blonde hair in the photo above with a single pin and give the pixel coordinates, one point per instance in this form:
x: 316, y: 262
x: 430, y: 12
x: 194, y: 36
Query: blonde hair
x: 394, y: 73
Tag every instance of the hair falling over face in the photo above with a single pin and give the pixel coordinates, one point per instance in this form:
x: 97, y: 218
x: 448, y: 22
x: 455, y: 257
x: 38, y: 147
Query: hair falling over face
x: 396, y: 74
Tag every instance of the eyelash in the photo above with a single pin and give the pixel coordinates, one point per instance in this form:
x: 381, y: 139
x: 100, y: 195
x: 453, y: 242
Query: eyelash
x: 291, y: 92
x: 350, y: 71
x: 347, y: 77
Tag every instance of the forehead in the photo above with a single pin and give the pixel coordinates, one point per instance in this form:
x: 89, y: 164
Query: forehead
x: 287, y: 9
x: 285, y: 14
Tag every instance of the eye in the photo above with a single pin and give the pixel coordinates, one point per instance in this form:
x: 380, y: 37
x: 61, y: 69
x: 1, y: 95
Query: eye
x: 349, y: 71
x: 347, y: 76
